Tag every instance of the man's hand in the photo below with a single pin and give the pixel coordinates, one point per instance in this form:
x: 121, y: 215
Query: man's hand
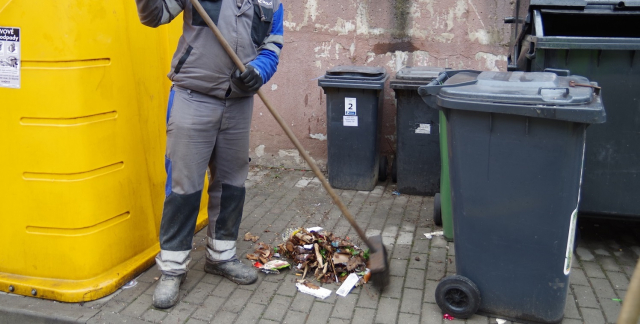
x: 251, y: 78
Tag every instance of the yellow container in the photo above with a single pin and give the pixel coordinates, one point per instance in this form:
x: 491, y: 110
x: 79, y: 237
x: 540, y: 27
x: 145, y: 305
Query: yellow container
x: 82, y: 142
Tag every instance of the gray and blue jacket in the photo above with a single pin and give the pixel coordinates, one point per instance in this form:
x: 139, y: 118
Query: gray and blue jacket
x: 253, y: 28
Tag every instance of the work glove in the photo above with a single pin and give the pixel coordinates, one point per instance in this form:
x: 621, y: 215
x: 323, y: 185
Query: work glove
x: 251, y: 79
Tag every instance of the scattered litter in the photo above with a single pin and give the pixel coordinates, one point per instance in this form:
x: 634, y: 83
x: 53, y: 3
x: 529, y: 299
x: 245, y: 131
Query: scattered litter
x: 313, y: 290
x: 366, y: 276
x: 397, y: 193
x: 314, y: 229
x: 325, y: 256
x: 156, y: 278
x: 250, y: 237
x: 617, y: 299
x: 432, y: 234
x: 347, y: 285
x: 448, y: 317
x: 501, y: 321
x: 262, y: 253
x: 417, y: 258
x: 272, y: 267
x: 130, y: 284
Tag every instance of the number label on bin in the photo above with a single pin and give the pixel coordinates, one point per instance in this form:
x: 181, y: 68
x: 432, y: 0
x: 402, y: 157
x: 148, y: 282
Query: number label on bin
x: 350, y: 121
x: 350, y: 107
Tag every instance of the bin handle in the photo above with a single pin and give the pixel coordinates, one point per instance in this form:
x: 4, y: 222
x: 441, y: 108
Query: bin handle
x: 429, y: 91
x: 566, y: 90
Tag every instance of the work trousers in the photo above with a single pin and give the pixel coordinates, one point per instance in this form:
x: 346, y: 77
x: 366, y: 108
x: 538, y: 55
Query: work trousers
x: 203, y: 131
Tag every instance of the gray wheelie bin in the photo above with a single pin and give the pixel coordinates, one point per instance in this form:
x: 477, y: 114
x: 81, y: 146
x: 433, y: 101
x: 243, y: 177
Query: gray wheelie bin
x: 599, y: 40
x: 416, y: 167
x: 516, y: 147
x: 354, y: 114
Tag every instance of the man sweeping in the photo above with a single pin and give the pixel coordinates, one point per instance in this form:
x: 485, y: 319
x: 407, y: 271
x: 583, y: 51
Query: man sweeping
x: 208, y: 125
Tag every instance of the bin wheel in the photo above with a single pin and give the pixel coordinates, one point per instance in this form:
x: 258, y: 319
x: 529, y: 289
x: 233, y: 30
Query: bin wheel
x: 382, y: 168
x: 437, y: 210
x: 394, y: 170
x: 458, y: 296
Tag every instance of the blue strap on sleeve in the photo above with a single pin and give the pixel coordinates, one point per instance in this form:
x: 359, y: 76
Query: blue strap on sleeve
x: 267, y: 60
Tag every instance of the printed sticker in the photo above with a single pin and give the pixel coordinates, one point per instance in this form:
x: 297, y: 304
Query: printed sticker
x: 570, y: 242
x: 10, y: 57
x: 423, y: 128
x: 350, y: 121
x: 350, y: 107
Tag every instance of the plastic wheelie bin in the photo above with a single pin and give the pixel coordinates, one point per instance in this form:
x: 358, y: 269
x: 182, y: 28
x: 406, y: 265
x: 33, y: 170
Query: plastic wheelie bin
x: 83, y: 139
x: 354, y: 114
x: 417, y: 160
x: 516, y: 150
x: 554, y: 35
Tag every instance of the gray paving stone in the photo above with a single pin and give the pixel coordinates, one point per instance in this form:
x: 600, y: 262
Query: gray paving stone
x: 179, y: 313
x: 264, y: 293
x: 196, y: 321
x: 224, y: 316
x: 418, y: 261
x: 478, y: 319
x: 571, y: 321
x: 415, y: 279
x: 430, y: 291
x: 287, y: 286
x: 199, y: 293
x: 113, y: 318
x: 398, y: 267
x: 593, y: 270
x: 585, y: 297
x: 602, y: 252
x: 609, y: 264
x: 153, y: 315
x: 225, y: 288
x: 266, y: 321
x: 208, y: 308
x: 401, y: 251
x: 394, y: 290
x: 250, y: 314
x: 408, y: 318
x: 302, y: 302
x: 319, y: 313
x: 295, y: 317
x: 611, y: 309
x: 431, y: 314
x: 603, y: 288
x: 138, y: 307
x: 369, y: 297
x: 437, y: 255
x: 236, y: 301
x: 571, y: 308
x: 363, y: 316
x: 129, y: 295
x: 387, y: 310
x: 584, y: 254
x: 411, y: 301
x: 345, y: 306
x: 618, y: 280
x: 438, y: 241
x: 277, y: 308
x: 435, y: 271
x: 420, y: 243
x: 577, y: 277
x: 592, y: 316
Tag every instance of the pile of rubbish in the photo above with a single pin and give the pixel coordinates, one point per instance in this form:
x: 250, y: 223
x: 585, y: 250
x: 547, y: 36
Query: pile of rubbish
x: 315, y: 252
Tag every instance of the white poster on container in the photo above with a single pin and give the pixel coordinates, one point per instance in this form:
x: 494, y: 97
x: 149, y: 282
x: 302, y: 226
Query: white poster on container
x: 10, y: 58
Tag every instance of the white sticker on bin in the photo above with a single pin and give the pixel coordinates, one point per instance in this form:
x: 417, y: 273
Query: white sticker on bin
x: 350, y: 121
x: 350, y: 107
x: 423, y: 128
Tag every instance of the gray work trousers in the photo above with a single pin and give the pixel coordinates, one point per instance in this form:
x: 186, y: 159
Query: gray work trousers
x: 203, y: 131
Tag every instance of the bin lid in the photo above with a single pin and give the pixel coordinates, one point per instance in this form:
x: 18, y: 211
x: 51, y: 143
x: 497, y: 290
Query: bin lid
x: 357, y: 77
x: 535, y: 94
x: 411, y: 78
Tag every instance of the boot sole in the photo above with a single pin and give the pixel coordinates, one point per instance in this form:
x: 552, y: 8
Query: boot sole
x: 209, y: 269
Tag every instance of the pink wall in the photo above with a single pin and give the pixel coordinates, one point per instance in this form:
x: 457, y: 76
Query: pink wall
x: 320, y: 34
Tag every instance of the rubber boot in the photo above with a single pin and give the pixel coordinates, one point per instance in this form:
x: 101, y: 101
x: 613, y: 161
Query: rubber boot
x: 167, y: 290
x: 233, y: 270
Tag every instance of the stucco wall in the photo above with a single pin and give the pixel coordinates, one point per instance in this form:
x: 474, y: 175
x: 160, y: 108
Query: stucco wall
x: 320, y: 34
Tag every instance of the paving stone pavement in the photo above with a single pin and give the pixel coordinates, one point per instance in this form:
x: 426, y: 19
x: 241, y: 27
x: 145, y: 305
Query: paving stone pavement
x: 278, y: 199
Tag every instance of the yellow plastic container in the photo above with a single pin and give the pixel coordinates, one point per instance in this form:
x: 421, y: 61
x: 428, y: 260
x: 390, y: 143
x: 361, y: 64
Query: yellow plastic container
x: 83, y: 143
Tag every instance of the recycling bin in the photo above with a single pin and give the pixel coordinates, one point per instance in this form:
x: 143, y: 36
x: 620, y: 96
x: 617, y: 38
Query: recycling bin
x: 554, y: 35
x: 417, y: 161
x: 516, y: 150
x: 83, y: 139
x: 354, y: 114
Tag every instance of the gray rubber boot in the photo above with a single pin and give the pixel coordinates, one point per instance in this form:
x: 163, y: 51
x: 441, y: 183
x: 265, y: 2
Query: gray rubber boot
x: 233, y: 270
x: 167, y: 290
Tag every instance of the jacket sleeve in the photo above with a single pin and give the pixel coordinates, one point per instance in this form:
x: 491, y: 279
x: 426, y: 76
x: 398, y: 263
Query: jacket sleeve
x: 269, y: 52
x: 154, y: 13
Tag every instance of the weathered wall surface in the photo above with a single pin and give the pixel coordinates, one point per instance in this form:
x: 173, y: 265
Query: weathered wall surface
x: 320, y: 34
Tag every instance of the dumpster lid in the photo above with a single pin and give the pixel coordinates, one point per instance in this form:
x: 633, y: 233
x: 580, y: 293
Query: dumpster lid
x: 542, y: 94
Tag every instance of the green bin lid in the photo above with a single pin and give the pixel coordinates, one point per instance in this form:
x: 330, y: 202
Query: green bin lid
x: 535, y: 94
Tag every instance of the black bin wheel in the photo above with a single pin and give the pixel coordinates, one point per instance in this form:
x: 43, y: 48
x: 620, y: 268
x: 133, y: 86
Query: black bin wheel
x: 458, y: 296
x: 437, y: 210
x: 382, y: 168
